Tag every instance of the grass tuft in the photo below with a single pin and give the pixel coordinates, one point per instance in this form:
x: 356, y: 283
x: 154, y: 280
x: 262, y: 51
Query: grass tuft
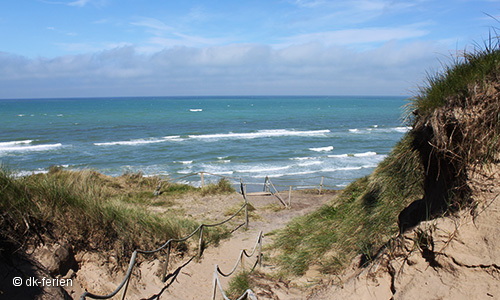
x: 86, y: 208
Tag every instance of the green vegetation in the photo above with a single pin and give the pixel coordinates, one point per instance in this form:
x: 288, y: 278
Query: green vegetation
x: 359, y: 220
x: 93, y: 211
x: 456, y: 126
x: 238, y: 285
x: 459, y: 80
x: 222, y: 187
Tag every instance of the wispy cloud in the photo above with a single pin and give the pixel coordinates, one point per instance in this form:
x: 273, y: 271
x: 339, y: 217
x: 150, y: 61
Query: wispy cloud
x: 152, y: 23
x: 76, y: 3
x: 348, y: 37
x: 79, y: 3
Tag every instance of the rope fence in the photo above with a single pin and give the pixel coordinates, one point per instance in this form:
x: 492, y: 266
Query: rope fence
x: 267, y: 183
x: 248, y: 293
x: 124, y: 284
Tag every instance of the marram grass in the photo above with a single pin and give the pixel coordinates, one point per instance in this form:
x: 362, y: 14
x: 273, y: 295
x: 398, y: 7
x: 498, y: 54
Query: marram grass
x: 92, y: 211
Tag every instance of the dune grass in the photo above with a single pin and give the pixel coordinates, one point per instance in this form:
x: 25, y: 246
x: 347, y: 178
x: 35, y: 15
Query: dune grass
x: 459, y: 79
x: 238, y: 285
x: 358, y: 221
x: 92, y: 211
x: 457, y: 113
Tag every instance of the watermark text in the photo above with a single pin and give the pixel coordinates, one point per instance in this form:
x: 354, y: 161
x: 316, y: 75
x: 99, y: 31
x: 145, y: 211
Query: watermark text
x: 42, y: 282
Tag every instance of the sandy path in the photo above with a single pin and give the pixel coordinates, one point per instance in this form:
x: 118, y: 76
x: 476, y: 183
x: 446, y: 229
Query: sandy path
x: 195, y: 281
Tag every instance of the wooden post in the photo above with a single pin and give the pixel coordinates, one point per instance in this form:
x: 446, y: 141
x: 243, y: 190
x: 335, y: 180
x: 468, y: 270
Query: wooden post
x: 290, y: 198
x: 200, y: 247
x: 266, y: 184
x: 164, y: 276
x: 244, y: 193
x: 202, y: 181
x: 260, y: 251
x: 246, y: 212
x: 321, y: 185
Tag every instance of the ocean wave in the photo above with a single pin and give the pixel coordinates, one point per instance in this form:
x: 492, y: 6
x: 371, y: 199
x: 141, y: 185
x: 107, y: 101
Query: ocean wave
x: 137, y: 142
x: 20, y: 174
x: 259, y: 169
x: 20, y: 147
x: 196, y: 109
x: 309, y: 163
x: 224, y: 161
x: 14, y: 143
x: 369, y: 153
x: 338, y: 155
x: 261, y: 134
x: 184, y: 162
x: 322, y: 149
x: 342, y: 169
x: 302, y: 158
x: 403, y: 129
x: 345, y: 155
x: 288, y: 174
x: 377, y: 129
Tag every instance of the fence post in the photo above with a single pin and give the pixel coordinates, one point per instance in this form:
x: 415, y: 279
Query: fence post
x: 290, y: 197
x: 246, y: 212
x: 200, y: 247
x: 164, y: 276
x: 202, y: 181
x: 266, y: 184
x: 260, y: 250
x: 321, y: 185
x: 243, y: 192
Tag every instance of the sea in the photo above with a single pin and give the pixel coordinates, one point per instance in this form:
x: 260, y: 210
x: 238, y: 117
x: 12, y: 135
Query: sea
x: 295, y: 141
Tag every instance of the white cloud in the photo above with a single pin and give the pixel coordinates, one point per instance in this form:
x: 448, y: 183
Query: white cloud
x: 79, y: 3
x: 358, y: 36
x: 152, y: 23
x: 311, y: 68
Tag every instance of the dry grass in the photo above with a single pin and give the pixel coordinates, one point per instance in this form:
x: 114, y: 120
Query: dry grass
x: 92, y: 211
x: 456, y: 126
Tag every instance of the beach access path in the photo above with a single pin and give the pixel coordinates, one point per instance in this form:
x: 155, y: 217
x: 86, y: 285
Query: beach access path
x: 194, y: 280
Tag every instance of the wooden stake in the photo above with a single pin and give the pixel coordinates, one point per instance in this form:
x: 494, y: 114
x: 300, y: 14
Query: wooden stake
x: 164, y: 276
x: 321, y: 185
x: 200, y: 246
x: 290, y: 198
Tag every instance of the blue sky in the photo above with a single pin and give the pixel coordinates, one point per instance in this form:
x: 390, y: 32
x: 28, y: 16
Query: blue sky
x: 87, y: 48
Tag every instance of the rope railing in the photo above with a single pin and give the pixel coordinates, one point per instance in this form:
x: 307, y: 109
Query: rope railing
x: 167, y: 245
x: 319, y: 186
x: 248, y: 293
x: 124, y: 284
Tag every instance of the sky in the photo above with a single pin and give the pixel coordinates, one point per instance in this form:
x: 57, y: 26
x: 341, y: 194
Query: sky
x: 114, y: 48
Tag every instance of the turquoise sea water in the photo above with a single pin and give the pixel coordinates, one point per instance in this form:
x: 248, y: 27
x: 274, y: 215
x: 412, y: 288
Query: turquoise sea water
x: 293, y: 140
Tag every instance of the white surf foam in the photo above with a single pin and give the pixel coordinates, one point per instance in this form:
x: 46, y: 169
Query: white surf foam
x: 309, y: 163
x: 262, y: 170
x: 42, y: 147
x: 322, y: 149
x: 403, y: 129
x: 302, y: 158
x: 338, y: 155
x: 14, y: 143
x: 364, y: 154
x: 140, y: 141
x: 261, y: 134
x: 196, y: 109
